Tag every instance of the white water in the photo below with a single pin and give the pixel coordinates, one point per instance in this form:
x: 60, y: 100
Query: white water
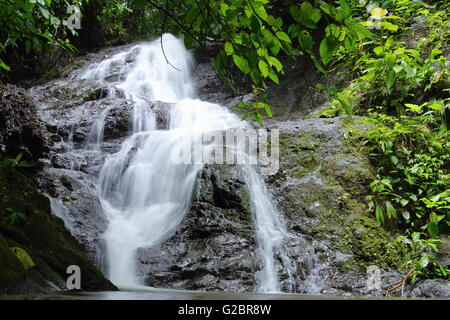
x: 146, y: 198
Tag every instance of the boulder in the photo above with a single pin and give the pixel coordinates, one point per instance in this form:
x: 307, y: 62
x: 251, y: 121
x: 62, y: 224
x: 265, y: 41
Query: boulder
x: 21, y: 130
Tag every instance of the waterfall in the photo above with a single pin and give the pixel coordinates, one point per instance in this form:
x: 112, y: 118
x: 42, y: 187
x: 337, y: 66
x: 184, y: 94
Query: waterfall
x: 143, y: 194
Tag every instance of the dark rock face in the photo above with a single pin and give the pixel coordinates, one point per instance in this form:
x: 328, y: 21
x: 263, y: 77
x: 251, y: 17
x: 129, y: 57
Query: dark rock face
x: 21, y: 130
x: 47, y: 248
x: 214, y: 247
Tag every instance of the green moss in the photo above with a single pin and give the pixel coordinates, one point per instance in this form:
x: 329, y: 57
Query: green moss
x: 24, y: 257
x: 330, y: 111
x: 42, y: 248
x: 335, y: 201
x: 11, y: 269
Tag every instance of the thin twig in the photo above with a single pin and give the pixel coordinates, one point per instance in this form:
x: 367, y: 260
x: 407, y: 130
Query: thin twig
x: 399, y: 283
x: 163, y: 30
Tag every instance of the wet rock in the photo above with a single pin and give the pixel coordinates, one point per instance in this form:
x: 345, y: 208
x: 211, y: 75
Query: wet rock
x: 77, y: 194
x: 21, y: 130
x: 210, y: 87
x: 320, y: 189
x: 162, y: 112
x: 118, y: 121
x: 213, y: 249
x: 431, y: 289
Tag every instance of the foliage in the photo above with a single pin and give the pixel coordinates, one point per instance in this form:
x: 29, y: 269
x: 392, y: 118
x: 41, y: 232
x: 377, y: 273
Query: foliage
x: 34, y: 25
x: 401, y: 85
x: 420, y: 256
x: 253, y: 35
x: 16, y: 162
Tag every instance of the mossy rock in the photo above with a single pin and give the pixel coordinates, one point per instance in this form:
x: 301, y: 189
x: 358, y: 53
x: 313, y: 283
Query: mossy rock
x: 38, y: 248
x: 324, y: 180
x: 11, y: 269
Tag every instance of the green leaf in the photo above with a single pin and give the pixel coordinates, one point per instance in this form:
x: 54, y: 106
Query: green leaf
x: 283, y: 36
x: 424, y: 262
x: 275, y: 62
x: 241, y: 63
x: 328, y: 47
x: 378, y: 50
x: 390, y: 210
x: 390, y: 79
x: 268, y: 110
x: 432, y: 227
x: 389, y: 26
x: 45, y: 12
x: 379, y: 215
x: 406, y: 215
x: 413, y: 107
x: 394, y: 160
x: 345, y: 9
x: 4, y: 66
x: 274, y: 77
x: 228, y: 48
x: 264, y: 68
x: 305, y: 40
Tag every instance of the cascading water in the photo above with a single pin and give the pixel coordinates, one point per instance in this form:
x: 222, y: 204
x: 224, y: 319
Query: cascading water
x: 142, y: 192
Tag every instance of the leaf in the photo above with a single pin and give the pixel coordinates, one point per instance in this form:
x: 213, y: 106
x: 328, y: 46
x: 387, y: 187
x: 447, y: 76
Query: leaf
x: 390, y: 79
x: 432, y: 228
x: 436, y: 106
x: 413, y: 107
x: 45, y: 12
x: 397, y: 68
x: 264, y: 68
x: 406, y: 215
x: 241, y: 63
x: 328, y: 47
x: 275, y: 47
x: 275, y: 62
x: 274, y: 77
x: 424, y: 262
x: 394, y: 160
x: 4, y: 66
x: 228, y: 48
x: 390, y: 210
x: 283, y: 36
x: 305, y: 40
x: 389, y: 26
x: 378, y: 50
x: 268, y: 110
x: 345, y: 9
x: 379, y: 215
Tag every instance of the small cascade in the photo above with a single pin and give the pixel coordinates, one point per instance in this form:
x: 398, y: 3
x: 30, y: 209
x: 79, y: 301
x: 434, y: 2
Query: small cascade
x: 144, y: 194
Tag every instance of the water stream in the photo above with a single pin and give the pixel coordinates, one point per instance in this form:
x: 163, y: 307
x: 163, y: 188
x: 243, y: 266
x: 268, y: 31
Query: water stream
x: 144, y: 194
